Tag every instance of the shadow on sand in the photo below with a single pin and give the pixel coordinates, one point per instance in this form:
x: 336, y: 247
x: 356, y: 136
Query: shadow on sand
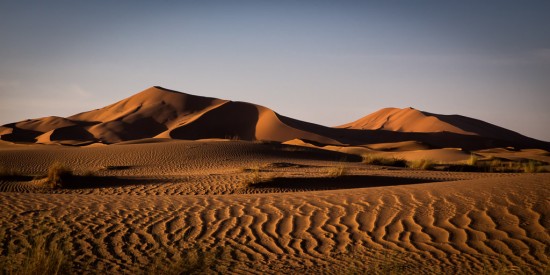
x: 86, y: 182
x: 332, y: 183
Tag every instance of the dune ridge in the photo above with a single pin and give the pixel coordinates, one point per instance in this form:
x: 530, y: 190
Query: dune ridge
x: 415, y: 121
x: 162, y: 113
x: 404, y: 120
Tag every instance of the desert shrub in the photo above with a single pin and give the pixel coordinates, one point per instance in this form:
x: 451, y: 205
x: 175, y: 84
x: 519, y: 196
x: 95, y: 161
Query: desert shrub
x: 58, y: 174
x: 532, y: 166
x: 45, y: 256
x: 336, y: 171
x: 495, y: 165
x: 192, y: 260
x: 254, y: 176
x: 472, y: 161
x: 423, y: 164
x: 373, y: 160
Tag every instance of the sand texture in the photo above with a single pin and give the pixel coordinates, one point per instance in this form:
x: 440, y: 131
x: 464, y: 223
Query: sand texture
x: 156, y: 200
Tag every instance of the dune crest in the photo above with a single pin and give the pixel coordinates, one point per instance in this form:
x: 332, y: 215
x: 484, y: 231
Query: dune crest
x: 162, y: 113
x: 404, y: 120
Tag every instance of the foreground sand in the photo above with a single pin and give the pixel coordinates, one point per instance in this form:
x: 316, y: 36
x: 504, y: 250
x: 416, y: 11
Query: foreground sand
x: 153, y: 202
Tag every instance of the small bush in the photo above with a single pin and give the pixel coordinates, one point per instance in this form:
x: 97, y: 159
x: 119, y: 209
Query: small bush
x: 58, y: 174
x: 336, y: 171
x: 255, y: 176
x: 532, y: 166
x: 495, y: 165
x: 423, y: 164
x: 192, y: 260
x: 472, y: 161
x: 395, y: 162
x: 45, y: 256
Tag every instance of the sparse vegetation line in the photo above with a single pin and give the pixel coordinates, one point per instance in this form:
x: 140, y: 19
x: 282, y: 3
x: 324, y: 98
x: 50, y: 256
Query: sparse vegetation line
x: 473, y: 164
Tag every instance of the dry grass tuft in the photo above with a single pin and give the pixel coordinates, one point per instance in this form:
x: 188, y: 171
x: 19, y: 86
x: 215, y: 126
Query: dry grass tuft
x: 255, y: 176
x: 533, y: 166
x: 374, y: 160
x: 472, y: 161
x: 191, y: 261
x: 336, y: 171
x: 58, y: 174
x: 423, y: 164
x: 44, y: 256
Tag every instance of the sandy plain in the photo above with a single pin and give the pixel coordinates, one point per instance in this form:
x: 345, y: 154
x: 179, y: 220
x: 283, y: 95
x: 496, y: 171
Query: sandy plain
x: 248, y: 207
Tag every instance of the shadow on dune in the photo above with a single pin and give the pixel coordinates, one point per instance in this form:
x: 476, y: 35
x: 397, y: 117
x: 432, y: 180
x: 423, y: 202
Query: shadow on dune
x: 301, y: 152
x: 16, y: 177
x: 333, y: 183
x: 86, y: 182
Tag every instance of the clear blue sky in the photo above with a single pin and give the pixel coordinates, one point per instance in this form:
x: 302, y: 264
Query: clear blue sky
x: 327, y: 62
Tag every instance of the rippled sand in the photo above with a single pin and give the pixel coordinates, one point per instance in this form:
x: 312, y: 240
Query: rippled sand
x: 151, y: 201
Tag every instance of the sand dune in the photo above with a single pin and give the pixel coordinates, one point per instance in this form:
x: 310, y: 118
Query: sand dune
x: 161, y: 113
x: 151, y: 201
x: 410, y: 120
x: 404, y: 120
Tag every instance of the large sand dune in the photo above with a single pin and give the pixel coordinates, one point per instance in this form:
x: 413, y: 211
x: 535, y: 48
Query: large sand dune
x: 161, y: 113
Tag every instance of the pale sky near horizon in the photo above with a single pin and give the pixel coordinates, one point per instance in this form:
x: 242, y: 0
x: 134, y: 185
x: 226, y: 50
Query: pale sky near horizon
x: 326, y: 62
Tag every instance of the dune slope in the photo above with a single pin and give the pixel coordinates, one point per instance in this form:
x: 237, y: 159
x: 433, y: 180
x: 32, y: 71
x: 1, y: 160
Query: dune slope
x: 161, y: 113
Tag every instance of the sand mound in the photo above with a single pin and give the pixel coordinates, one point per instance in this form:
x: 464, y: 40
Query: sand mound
x: 403, y: 120
x: 411, y: 120
x: 441, y: 130
x: 73, y: 133
x: 161, y: 113
x: 45, y: 124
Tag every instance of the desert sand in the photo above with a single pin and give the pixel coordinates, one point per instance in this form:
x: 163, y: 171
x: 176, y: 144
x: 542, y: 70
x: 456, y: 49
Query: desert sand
x: 166, y: 181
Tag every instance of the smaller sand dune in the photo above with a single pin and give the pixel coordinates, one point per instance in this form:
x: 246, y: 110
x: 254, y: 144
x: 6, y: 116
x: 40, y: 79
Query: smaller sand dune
x: 68, y: 133
x: 45, y: 124
x: 404, y: 120
x: 399, y: 146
